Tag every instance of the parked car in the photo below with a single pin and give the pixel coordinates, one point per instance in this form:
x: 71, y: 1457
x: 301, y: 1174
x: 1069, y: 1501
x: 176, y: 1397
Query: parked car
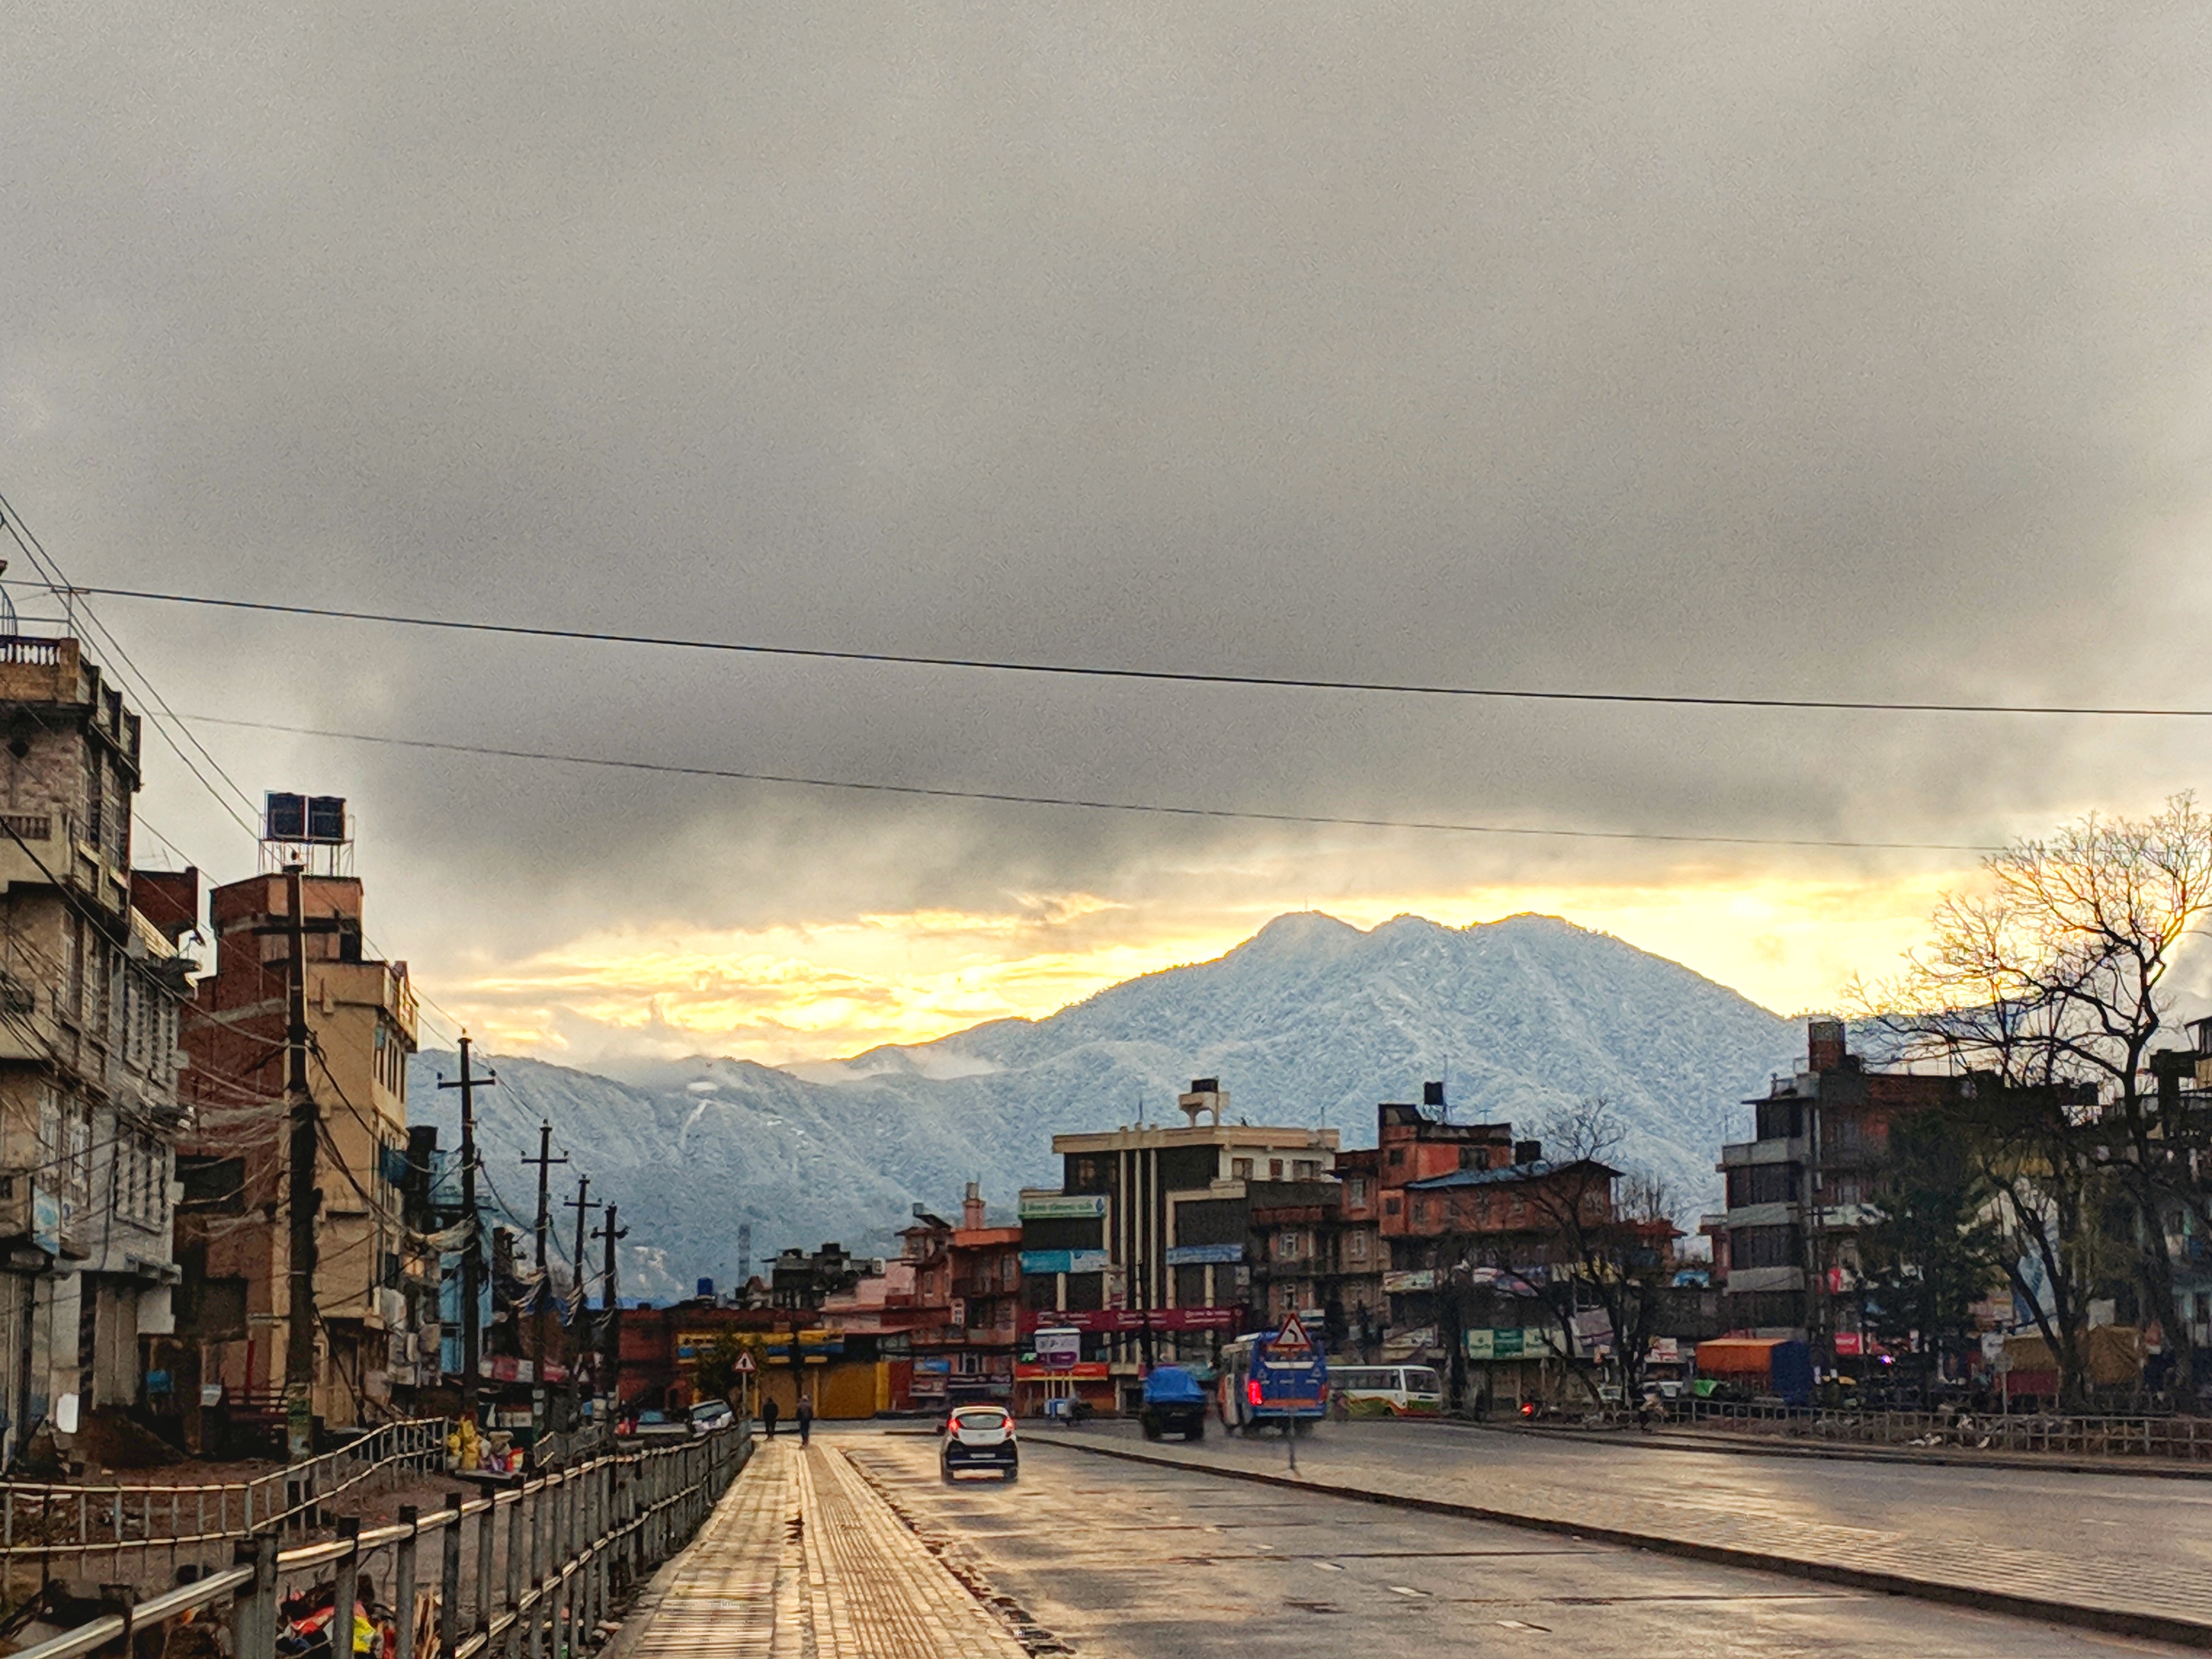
x: 709, y: 1415
x: 979, y: 1438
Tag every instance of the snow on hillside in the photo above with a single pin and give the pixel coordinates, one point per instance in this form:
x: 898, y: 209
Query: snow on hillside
x: 1311, y: 1021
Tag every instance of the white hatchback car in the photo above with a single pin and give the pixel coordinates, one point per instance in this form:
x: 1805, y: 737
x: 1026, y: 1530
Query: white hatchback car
x: 979, y: 1438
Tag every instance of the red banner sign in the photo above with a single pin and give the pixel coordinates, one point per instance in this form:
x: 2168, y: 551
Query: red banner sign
x: 1135, y: 1319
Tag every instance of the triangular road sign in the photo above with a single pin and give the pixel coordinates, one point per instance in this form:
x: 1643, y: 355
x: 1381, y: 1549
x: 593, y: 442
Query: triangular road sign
x: 745, y: 1362
x: 1291, y: 1338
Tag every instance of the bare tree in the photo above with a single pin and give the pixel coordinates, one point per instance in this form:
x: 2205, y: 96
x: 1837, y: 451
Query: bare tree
x: 2051, y: 979
x: 1608, y: 1235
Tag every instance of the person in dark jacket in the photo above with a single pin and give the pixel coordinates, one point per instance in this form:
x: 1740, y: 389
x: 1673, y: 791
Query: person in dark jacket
x: 806, y: 1419
x: 769, y: 1414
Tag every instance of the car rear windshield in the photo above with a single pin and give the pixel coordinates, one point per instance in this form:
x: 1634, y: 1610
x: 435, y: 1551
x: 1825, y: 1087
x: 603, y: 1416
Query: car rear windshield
x: 983, y: 1420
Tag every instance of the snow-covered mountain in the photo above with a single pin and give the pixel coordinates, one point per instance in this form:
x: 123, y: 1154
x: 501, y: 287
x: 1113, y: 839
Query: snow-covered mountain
x: 1311, y: 1021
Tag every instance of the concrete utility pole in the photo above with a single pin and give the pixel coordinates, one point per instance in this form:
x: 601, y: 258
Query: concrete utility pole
x: 583, y: 1203
x: 545, y: 1161
x: 302, y: 1197
x: 471, y: 1253
x: 610, y: 1305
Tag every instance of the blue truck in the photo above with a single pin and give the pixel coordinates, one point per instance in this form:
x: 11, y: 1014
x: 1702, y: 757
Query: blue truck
x: 1174, y: 1404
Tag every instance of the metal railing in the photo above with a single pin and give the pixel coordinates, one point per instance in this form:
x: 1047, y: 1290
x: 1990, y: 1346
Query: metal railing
x: 44, y: 1522
x: 2183, y: 1439
x: 575, y: 1540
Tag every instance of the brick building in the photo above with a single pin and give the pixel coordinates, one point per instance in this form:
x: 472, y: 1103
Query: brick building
x: 374, y: 1297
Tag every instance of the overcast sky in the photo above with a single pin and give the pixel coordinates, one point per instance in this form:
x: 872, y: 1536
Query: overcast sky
x: 1826, y: 351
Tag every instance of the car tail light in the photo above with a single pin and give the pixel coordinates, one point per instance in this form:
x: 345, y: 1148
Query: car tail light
x: 1252, y: 1391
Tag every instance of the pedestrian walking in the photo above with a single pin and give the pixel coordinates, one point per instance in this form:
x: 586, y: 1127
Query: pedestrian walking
x: 768, y: 1412
x: 806, y: 1419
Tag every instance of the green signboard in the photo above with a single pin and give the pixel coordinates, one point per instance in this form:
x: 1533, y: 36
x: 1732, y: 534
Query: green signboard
x: 1510, y: 1343
x: 1058, y: 1207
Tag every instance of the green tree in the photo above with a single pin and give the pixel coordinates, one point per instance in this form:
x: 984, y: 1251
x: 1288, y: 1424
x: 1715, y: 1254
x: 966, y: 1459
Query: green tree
x: 718, y: 1377
x: 1938, y: 1246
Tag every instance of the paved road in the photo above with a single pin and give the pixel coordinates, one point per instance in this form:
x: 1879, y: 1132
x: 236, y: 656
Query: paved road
x: 2163, y: 1525
x: 1120, y: 1559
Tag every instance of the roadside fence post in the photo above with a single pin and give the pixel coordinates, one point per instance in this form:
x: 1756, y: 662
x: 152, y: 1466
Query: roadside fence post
x: 484, y: 1581
x: 253, y: 1610
x: 343, y: 1594
x: 449, y: 1589
x: 514, y: 1557
x: 402, y: 1587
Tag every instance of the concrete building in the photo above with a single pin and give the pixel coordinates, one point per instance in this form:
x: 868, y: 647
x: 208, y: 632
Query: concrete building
x: 1800, y: 1192
x: 89, y: 993
x: 1361, y: 1255
x: 371, y: 1290
x: 1145, y: 1248
x: 983, y: 1327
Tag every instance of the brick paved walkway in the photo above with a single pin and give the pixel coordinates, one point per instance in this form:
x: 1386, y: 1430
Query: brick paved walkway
x: 2060, y: 1580
x: 803, y: 1560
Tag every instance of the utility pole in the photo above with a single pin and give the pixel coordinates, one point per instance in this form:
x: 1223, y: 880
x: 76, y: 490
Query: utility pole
x: 302, y: 1197
x: 545, y: 1161
x: 610, y: 1305
x: 583, y: 1203
x: 472, y: 1252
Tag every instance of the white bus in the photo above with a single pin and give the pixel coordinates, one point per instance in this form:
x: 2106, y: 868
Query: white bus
x: 1387, y: 1390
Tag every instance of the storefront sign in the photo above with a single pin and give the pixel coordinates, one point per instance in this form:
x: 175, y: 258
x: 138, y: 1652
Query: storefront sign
x: 1058, y: 1350
x: 1059, y: 1207
x: 1507, y: 1344
x: 1201, y: 1255
x: 1088, y: 1371
x: 1418, y: 1279
x: 1041, y: 1262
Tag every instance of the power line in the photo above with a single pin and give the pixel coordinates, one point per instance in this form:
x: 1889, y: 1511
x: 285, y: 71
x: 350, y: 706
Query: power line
x: 1184, y: 676
x: 49, y: 567
x: 1007, y: 797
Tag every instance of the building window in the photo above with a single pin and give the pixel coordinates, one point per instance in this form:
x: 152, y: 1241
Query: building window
x: 1239, y: 1168
x: 1355, y: 1191
x: 1307, y: 1168
x: 1286, y: 1247
x: 1389, y: 1206
x: 1356, y: 1246
x: 1397, y: 1158
x: 1274, y: 1169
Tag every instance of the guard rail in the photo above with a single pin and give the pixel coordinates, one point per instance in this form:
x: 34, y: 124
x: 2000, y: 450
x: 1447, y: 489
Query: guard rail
x: 575, y: 1540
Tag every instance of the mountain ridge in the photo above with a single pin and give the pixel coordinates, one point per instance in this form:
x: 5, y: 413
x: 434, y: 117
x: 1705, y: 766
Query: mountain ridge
x: 1310, y: 1021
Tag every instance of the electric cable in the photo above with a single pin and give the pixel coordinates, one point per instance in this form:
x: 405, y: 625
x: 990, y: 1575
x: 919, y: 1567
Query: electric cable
x: 1181, y: 677
x: 1009, y: 798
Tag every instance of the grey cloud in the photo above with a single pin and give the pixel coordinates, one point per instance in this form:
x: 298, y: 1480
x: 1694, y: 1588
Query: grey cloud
x: 1818, y: 352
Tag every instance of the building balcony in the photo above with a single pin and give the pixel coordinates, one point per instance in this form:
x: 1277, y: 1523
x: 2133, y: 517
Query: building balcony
x: 1745, y: 1281
x: 1739, y: 1153
x: 1761, y: 1215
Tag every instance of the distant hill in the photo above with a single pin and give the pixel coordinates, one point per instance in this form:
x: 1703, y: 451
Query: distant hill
x: 1311, y: 1021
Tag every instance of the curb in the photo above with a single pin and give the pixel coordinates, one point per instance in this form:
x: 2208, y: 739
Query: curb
x: 2115, y: 1621
x: 1931, y: 1458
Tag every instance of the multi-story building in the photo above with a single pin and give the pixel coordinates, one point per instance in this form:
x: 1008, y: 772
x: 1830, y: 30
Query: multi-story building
x: 983, y: 1328
x: 1145, y: 1248
x: 1801, y: 1190
x: 89, y: 992
x: 234, y: 1236
x: 1360, y: 1254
